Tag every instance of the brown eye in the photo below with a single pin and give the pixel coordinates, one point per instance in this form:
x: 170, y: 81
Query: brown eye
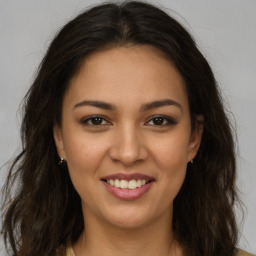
x: 158, y: 121
x: 95, y: 121
x: 161, y: 121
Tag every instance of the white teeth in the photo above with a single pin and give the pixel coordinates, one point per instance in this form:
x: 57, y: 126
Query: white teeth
x: 123, y: 184
x: 132, y: 184
x: 117, y: 183
x: 138, y: 183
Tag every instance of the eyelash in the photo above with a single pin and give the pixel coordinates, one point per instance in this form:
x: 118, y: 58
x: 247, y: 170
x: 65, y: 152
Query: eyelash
x: 85, y: 121
x: 167, y: 121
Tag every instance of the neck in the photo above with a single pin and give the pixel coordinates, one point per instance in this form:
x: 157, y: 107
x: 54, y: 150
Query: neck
x: 102, y: 238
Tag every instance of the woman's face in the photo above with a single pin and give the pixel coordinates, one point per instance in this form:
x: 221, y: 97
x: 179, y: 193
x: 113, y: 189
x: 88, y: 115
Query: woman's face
x: 126, y: 135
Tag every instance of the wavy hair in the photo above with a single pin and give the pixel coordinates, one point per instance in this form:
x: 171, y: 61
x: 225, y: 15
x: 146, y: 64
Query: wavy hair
x: 44, y: 212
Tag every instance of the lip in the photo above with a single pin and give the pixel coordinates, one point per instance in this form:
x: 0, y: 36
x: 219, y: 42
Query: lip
x: 128, y: 177
x: 128, y: 194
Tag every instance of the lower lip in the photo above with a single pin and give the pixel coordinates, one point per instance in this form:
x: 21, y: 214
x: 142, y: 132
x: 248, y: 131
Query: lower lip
x: 128, y: 194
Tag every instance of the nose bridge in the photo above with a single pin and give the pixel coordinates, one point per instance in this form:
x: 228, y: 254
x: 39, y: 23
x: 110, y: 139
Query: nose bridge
x: 128, y: 147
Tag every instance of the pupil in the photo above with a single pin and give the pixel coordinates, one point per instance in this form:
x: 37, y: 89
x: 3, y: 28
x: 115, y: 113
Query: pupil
x: 97, y: 120
x: 158, y: 121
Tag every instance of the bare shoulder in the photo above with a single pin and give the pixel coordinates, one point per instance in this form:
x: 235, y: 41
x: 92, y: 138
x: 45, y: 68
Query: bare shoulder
x: 244, y: 253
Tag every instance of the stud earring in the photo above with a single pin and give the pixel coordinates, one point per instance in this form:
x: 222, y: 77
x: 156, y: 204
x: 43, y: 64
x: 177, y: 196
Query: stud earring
x: 62, y: 161
x: 192, y: 161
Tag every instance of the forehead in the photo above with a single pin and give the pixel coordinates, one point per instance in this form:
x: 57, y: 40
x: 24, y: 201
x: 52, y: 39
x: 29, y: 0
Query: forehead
x: 135, y: 73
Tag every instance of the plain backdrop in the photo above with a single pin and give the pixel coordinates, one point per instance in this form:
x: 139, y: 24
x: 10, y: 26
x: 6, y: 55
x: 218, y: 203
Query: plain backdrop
x: 225, y: 31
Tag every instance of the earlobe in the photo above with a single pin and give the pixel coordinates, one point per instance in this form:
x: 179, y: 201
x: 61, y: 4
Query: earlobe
x: 57, y: 134
x: 196, y: 137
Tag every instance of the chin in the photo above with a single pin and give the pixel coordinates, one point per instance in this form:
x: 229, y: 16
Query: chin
x: 125, y: 223
x: 131, y: 217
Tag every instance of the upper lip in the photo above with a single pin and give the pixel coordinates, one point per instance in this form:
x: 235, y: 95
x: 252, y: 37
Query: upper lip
x: 128, y: 176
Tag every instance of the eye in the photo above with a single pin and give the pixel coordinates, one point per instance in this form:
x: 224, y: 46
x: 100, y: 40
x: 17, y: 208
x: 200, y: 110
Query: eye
x: 161, y: 121
x: 95, y: 121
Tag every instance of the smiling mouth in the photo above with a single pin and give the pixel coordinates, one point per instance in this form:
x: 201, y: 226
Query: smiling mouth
x: 127, y: 184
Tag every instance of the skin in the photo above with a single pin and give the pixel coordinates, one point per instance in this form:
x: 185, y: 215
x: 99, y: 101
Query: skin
x: 127, y: 140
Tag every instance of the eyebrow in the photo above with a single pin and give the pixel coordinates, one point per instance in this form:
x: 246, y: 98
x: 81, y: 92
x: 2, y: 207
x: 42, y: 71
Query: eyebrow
x: 96, y: 103
x: 160, y: 103
x: 144, y: 107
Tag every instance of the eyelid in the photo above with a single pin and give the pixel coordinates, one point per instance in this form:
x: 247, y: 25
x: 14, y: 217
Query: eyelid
x: 84, y: 121
x: 170, y: 121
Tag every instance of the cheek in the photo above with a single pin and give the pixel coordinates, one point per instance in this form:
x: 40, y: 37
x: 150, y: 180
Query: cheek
x: 171, y: 161
x: 84, y: 153
x: 171, y: 153
x: 84, y: 156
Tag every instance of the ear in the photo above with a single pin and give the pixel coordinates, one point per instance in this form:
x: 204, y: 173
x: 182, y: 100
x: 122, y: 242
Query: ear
x: 57, y: 134
x: 196, y: 137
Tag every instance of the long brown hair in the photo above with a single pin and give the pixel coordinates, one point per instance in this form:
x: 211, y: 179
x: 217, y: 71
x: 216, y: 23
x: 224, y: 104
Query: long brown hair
x: 44, y: 212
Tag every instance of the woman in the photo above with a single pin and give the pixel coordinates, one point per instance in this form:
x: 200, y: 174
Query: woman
x: 126, y: 146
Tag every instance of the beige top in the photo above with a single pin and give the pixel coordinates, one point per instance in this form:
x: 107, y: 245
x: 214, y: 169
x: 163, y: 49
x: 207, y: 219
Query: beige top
x: 70, y: 252
x: 240, y: 253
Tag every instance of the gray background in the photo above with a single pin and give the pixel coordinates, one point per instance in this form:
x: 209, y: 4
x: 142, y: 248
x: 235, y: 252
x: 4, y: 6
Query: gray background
x: 224, y: 31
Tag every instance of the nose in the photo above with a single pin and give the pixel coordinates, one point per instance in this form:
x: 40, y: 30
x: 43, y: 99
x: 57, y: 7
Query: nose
x: 127, y: 146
